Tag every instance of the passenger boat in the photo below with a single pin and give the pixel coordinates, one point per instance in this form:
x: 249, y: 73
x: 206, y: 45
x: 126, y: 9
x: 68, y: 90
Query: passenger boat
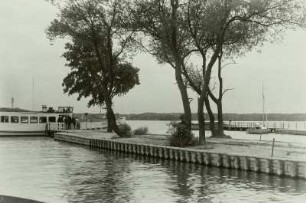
x: 18, y: 122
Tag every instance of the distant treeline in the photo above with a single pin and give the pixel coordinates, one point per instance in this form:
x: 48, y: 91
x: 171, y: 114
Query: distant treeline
x: 91, y: 117
x: 176, y: 116
x: 228, y: 116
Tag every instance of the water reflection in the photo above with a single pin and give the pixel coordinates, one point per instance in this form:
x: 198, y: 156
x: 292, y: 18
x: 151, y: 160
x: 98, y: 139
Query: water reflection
x: 42, y: 169
x: 196, y: 183
x: 100, y: 176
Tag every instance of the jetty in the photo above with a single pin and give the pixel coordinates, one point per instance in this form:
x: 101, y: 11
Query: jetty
x: 279, y: 158
x: 276, y: 127
x: 235, y: 126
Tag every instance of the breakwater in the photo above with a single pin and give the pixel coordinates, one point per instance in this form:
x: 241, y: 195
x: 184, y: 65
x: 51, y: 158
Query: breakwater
x: 269, y: 165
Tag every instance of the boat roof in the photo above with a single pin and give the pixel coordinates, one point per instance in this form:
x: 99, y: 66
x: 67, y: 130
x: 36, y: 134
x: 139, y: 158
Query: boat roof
x: 14, y: 110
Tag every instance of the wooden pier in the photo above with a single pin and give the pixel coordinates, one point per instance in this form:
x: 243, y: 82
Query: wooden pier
x: 278, y: 128
x: 233, y: 126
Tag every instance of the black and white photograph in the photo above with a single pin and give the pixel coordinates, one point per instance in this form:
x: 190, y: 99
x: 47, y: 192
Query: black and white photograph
x: 145, y: 101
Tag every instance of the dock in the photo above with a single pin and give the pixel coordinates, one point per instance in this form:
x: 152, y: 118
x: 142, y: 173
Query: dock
x: 233, y: 126
x: 288, y: 160
x: 278, y: 128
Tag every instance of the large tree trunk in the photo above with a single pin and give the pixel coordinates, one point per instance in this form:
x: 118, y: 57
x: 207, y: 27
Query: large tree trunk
x: 220, y: 132
x: 219, y: 102
x: 201, y: 119
x: 184, y: 95
x: 111, y: 118
x: 179, y: 62
x: 211, y: 117
x: 220, y: 126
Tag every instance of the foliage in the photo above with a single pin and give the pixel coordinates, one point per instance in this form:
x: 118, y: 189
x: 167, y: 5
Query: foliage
x: 165, y: 37
x: 125, y: 130
x: 232, y: 28
x: 160, y: 21
x: 172, y: 127
x: 141, y: 131
x: 180, y: 136
x: 238, y: 23
x: 102, y: 34
x: 78, y: 82
x: 96, y: 50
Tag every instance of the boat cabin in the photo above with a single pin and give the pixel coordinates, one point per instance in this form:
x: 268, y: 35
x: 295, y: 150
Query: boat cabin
x: 22, y: 122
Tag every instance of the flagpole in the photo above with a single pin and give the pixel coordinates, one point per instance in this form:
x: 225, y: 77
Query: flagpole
x: 32, y: 93
x: 264, y: 116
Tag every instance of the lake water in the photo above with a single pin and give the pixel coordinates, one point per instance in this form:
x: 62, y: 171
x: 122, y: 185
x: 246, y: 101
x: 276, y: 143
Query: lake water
x: 161, y: 127
x: 46, y: 170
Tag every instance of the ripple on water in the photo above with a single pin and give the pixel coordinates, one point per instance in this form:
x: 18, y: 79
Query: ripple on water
x: 45, y: 170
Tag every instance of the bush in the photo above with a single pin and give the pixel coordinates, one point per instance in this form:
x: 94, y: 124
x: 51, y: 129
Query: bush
x: 180, y: 136
x: 125, y: 130
x: 141, y: 131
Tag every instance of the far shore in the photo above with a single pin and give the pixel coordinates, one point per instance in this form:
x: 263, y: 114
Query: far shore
x: 226, y: 116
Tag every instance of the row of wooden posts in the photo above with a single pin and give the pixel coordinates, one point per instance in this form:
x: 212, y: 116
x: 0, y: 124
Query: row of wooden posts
x: 274, y: 125
x: 271, y: 165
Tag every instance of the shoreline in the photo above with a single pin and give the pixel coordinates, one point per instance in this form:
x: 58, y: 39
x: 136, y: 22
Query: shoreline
x: 288, y: 160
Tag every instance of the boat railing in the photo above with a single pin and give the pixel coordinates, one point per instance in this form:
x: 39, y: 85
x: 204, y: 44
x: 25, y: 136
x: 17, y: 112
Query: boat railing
x: 54, y: 127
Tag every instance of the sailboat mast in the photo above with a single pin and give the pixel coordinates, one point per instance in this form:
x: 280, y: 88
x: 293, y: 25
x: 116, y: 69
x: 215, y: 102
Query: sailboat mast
x: 263, y: 105
x: 264, y: 116
x: 32, y: 93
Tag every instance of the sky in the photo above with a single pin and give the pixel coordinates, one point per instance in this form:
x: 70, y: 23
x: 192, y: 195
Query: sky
x: 32, y: 71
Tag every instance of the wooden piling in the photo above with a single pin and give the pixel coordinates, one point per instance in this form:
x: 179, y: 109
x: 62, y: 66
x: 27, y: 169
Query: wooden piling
x: 281, y: 167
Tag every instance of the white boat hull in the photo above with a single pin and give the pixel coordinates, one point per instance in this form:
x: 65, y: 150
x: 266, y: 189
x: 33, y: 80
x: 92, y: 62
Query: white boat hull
x: 22, y: 133
x: 258, y: 131
x: 28, y: 127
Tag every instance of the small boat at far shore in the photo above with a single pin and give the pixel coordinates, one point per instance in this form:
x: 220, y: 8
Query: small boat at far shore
x: 261, y: 130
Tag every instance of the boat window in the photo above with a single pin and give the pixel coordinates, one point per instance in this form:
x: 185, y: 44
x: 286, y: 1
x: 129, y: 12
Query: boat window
x: 33, y: 119
x: 4, y: 119
x: 52, y: 119
x: 24, y: 119
x: 14, y: 119
x: 43, y: 120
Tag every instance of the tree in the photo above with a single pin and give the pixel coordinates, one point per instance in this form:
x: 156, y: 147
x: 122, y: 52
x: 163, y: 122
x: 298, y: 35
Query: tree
x: 219, y: 99
x: 231, y: 28
x: 96, y: 52
x: 161, y: 22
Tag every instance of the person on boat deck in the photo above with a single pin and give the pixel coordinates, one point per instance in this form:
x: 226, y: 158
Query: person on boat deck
x: 68, y: 122
x: 60, y: 119
x: 73, y: 121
